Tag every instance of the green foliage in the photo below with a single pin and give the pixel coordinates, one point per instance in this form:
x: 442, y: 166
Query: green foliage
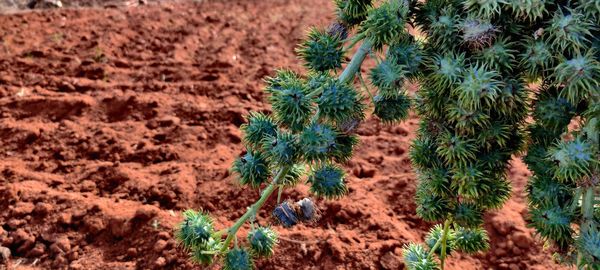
x: 495, y: 78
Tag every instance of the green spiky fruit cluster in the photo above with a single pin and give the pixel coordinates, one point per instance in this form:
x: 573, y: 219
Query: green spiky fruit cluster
x: 480, y: 66
x: 476, y: 65
x: 564, y: 149
x: 311, y: 129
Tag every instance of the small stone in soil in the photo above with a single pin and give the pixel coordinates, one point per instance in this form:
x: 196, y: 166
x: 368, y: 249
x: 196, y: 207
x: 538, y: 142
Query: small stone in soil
x: 4, y: 255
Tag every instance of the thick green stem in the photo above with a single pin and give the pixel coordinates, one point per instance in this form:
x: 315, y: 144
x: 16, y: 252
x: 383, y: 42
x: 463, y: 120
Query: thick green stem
x: 444, y: 242
x: 252, y: 210
x: 354, y: 65
x: 587, y: 210
x: 441, y: 241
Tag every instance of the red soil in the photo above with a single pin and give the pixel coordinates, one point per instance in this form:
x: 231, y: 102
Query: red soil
x: 113, y: 121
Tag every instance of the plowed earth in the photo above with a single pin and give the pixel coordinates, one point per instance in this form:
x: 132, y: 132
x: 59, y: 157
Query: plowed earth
x: 115, y: 119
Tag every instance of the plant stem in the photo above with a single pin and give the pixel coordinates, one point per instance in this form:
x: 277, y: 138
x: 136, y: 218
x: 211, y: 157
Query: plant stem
x: 364, y: 85
x: 587, y: 210
x: 279, y: 194
x: 354, y: 65
x: 444, y: 240
x: 231, y: 232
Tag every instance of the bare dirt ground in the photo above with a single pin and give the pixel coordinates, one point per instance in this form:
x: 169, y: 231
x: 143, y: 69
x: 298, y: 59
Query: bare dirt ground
x: 114, y: 120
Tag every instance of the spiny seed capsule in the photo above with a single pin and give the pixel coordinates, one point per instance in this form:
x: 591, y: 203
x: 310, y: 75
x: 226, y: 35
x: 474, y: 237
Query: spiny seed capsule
x: 471, y: 240
x: 203, y: 254
x: 285, y: 214
x: 318, y: 142
x: 259, y: 126
x: 282, y: 148
x: 416, y: 257
x: 253, y: 169
x: 321, y: 51
x: 238, y: 259
x: 195, y: 229
x: 391, y: 109
x: 262, y: 241
x: 328, y: 181
x: 339, y: 102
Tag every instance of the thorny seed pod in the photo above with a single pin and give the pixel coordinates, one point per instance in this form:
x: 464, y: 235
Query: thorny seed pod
x: 574, y: 159
x: 416, y: 257
x: 238, y: 259
x: 569, y: 30
x: 485, y: 8
x: 352, y: 12
x: 318, y: 142
x: 282, y: 148
x: 344, y: 147
x: 292, y: 106
x: 385, y: 24
x: 468, y: 215
x: 259, y: 126
x: 589, y: 243
x: 471, y: 240
x: 529, y: 10
x: 282, y: 80
x: 195, y: 229
x: 321, y: 51
x: 392, y: 108
x: 578, y: 76
x: 328, y: 181
x: 205, y: 253
x: 554, y: 223
x: 293, y: 176
x: 252, y: 168
x: 340, y: 102
x: 408, y: 54
x: 262, y: 241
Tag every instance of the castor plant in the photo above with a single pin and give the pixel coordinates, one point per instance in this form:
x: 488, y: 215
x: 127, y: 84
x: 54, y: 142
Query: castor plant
x: 479, y: 67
